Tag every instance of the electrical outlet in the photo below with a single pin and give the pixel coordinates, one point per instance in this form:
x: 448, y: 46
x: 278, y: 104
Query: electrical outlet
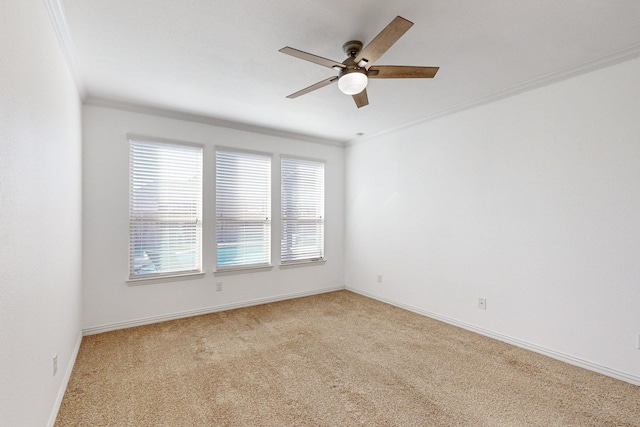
x: 55, y: 364
x: 482, y: 303
x: 379, y: 278
x: 219, y: 286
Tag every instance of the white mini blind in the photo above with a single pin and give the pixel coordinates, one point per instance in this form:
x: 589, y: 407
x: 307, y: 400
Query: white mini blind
x: 165, y: 209
x: 243, y: 209
x: 302, y: 210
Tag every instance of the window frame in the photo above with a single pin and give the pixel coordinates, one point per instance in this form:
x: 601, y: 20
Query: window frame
x: 199, y: 203
x: 283, y: 220
x: 221, y: 269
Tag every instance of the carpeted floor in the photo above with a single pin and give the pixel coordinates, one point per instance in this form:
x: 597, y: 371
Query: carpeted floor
x: 336, y: 359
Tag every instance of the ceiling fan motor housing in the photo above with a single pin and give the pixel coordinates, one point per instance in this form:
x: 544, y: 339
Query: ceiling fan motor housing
x: 352, y: 78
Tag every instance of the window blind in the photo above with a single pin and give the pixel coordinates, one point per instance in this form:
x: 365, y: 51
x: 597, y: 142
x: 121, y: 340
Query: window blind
x: 243, y: 209
x: 165, y: 209
x: 302, y: 192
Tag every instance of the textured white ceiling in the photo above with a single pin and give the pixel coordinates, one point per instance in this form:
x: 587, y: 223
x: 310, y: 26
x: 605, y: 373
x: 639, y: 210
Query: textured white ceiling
x: 220, y: 59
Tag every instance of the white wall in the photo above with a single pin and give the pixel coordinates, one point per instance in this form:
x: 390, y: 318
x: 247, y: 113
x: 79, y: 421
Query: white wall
x: 532, y: 202
x: 109, y: 302
x: 40, y: 216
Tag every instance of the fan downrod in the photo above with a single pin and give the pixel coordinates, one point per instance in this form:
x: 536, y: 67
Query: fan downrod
x: 352, y: 48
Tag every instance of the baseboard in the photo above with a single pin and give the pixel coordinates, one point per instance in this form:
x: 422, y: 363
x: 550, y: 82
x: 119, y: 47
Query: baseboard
x: 65, y: 382
x: 614, y: 373
x: 189, y: 313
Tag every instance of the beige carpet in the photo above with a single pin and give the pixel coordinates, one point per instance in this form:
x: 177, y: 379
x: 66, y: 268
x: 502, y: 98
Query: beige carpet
x: 336, y: 359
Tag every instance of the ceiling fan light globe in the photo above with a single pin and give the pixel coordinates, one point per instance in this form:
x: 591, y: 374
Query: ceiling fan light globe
x: 352, y: 83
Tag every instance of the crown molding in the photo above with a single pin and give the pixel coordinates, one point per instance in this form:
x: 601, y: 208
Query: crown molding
x: 190, y: 117
x: 623, y: 55
x: 59, y: 21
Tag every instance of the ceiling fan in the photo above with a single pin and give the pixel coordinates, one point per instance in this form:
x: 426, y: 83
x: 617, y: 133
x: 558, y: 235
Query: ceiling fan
x: 357, y: 69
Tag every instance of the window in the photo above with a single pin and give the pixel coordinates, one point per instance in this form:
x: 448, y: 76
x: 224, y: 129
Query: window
x: 165, y: 209
x: 243, y: 209
x: 302, y: 211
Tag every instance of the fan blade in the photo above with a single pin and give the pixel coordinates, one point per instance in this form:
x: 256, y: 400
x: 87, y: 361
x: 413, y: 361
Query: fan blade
x: 361, y: 98
x: 401, y: 72
x: 313, y: 87
x: 312, y: 58
x: 383, y: 41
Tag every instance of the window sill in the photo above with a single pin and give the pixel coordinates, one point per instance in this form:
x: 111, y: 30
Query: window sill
x: 301, y: 264
x: 161, y: 279
x: 241, y: 270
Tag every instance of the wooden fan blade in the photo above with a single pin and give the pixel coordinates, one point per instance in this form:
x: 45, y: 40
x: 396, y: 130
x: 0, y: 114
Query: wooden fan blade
x: 313, y: 87
x: 312, y: 58
x: 361, y: 98
x: 383, y: 41
x: 401, y: 72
